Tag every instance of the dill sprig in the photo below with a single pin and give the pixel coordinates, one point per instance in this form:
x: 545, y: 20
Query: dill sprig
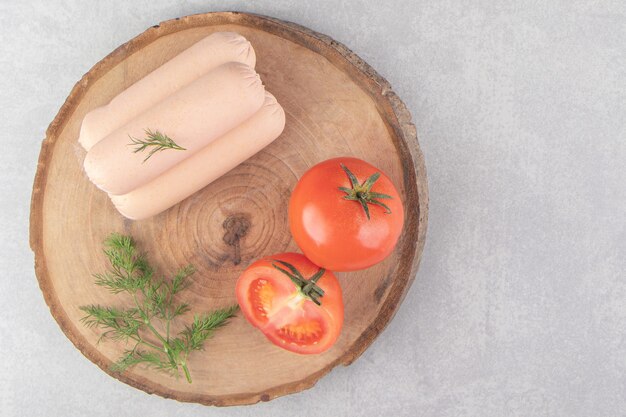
x: 154, y: 301
x: 157, y: 141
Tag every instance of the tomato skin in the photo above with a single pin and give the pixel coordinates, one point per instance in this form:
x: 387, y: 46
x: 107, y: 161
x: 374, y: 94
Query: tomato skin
x: 335, y: 233
x: 263, y: 285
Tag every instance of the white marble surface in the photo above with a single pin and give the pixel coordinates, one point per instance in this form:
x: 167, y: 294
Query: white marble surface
x: 519, y: 307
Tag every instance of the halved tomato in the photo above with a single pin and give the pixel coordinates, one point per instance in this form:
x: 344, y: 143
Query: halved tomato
x: 295, y: 303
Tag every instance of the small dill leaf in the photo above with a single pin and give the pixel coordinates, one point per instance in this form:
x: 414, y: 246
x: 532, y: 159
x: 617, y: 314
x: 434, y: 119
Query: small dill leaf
x: 156, y: 141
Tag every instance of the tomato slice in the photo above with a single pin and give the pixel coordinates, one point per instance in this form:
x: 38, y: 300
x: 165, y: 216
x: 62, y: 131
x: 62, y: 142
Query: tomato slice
x: 284, y: 311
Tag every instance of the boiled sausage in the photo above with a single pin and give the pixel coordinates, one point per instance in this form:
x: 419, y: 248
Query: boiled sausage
x: 192, y: 117
x: 211, y: 52
x: 206, y: 165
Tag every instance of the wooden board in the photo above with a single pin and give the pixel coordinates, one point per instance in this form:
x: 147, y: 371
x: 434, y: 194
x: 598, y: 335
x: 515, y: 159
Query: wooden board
x: 335, y: 104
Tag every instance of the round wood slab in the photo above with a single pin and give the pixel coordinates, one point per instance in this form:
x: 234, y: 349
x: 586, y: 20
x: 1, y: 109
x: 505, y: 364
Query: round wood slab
x: 336, y: 105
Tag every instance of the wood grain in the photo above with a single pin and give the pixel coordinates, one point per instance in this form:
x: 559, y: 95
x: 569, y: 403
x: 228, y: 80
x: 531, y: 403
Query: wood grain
x: 336, y: 105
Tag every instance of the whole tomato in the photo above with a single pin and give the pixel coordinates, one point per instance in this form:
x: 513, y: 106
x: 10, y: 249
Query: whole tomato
x: 297, y: 305
x: 345, y: 214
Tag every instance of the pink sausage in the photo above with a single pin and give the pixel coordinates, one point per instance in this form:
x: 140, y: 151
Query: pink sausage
x: 212, y: 51
x: 192, y: 117
x: 206, y: 165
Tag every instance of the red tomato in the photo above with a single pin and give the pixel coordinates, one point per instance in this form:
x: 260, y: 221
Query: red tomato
x: 345, y: 214
x: 288, y: 312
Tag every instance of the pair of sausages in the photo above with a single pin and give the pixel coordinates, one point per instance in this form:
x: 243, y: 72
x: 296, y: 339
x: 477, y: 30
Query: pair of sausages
x: 209, y: 99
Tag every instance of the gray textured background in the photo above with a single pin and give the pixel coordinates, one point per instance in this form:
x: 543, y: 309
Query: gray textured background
x: 519, y: 307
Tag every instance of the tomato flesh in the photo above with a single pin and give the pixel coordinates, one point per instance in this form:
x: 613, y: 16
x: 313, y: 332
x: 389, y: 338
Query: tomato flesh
x: 304, y: 332
x: 273, y: 303
x: 261, y: 297
x: 299, y: 329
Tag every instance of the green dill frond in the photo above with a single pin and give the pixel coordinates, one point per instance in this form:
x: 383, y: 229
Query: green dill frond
x: 156, y: 141
x: 150, y: 359
x: 156, y: 298
x: 181, y: 309
x: 179, y: 282
x: 203, y: 326
x: 129, y: 271
x: 120, y: 324
x: 153, y: 299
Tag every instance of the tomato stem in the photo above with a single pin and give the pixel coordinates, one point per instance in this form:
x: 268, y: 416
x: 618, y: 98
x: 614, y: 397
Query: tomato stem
x: 307, y: 287
x: 362, y: 193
